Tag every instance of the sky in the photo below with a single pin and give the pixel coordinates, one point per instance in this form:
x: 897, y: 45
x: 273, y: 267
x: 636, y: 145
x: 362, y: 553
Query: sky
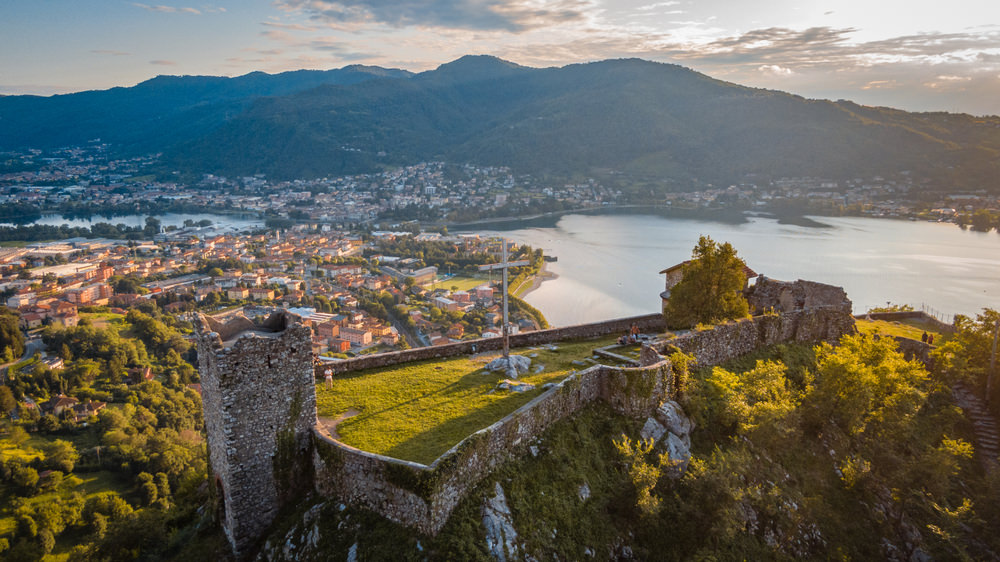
x: 916, y: 55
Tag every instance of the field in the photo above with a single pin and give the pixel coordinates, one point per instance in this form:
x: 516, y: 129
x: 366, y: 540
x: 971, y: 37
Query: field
x: 912, y: 329
x: 417, y: 411
x: 462, y: 282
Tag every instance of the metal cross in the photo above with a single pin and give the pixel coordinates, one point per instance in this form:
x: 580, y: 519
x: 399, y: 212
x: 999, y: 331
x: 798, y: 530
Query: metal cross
x: 504, y: 266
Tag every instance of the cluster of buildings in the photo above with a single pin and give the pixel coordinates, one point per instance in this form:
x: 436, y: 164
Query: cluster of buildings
x: 318, y: 272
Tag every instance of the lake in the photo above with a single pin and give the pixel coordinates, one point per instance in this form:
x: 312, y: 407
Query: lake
x: 224, y: 222
x: 608, y: 264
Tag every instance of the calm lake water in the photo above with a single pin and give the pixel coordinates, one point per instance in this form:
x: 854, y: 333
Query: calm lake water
x: 608, y: 264
x: 227, y: 222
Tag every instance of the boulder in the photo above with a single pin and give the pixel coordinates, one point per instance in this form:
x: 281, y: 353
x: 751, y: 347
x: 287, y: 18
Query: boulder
x: 518, y: 365
x: 652, y: 430
x: 515, y: 386
x: 680, y: 454
x: 672, y: 416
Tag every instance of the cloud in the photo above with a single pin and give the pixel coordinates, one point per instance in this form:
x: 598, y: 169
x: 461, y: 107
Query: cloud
x: 775, y: 70
x: 499, y: 15
x: 110, y: 52
x: 161, y: 62
x: 179, y: 10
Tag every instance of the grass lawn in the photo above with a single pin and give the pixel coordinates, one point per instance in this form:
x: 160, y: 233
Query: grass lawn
x: 912, y: 329
x: 13, y: 244
x: 103, y: 319
x: 417, y: 411
x: 463, y: 283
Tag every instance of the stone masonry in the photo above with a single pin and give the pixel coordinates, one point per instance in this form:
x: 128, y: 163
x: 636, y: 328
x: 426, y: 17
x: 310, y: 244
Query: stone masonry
x: 265, y: 444
x: 260, y: 407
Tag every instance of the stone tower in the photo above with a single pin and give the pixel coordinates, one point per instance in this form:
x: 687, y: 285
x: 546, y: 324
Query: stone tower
x: 259, y: 401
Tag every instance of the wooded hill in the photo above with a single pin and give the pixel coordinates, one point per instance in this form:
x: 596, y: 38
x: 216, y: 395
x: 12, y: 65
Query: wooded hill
x: 649, y: 119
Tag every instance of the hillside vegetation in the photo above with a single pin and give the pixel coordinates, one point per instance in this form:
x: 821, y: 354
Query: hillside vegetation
x: 651, y: 120
x: 849, y: 452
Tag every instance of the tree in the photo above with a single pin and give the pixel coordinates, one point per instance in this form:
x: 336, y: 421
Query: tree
x: 7, y: 400
x: 61, y: 455
x: 711, y: 289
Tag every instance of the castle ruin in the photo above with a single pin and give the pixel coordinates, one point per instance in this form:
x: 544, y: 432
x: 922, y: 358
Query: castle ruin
x: 266, y: 446
x: 260, y: 408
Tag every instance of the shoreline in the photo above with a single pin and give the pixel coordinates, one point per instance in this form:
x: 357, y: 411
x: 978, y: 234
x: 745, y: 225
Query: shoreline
x: 542, y: 276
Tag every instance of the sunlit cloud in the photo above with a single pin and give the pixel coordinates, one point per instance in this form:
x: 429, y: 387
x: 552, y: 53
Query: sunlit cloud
x: 506, y: 15
x: 179, y: 9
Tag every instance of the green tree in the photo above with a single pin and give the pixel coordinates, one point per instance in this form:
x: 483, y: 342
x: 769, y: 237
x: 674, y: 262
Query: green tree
x: 711, y: 289
x: 7, y: 400
x: 61, y: 455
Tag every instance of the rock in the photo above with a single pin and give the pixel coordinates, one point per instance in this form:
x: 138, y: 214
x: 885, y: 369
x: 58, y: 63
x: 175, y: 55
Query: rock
x: 515, y: 386
x: 584, y: 492
x: 589, y: 552
x: 519, y: 364
x: 533, y: 449
x: 578, y: 363
x: 548, y: 385
x: 352, y: 553
x: 652, y: 430
x: 672, y: 416
x: 680, y: 454
x: 539, y: 368
x: 501, y: 536
x: 533, y: 355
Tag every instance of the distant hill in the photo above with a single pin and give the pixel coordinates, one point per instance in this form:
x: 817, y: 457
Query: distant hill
x: 650, y: 119
x: 157, y: 113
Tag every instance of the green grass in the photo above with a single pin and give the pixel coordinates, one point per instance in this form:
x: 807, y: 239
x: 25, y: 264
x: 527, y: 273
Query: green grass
x: 912, y: 329
x: 463, y: 283
x: 13, y: 244
x: 103, y: 319
x: 417, y: 411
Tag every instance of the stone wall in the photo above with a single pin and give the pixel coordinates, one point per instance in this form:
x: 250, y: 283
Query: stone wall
x: 646, y: 323
x: 735, y: 339
x: 260, y: 407
x: 909, y: 315
x: 423, y: 497
x: 259, y: 404
x: 785, y: 296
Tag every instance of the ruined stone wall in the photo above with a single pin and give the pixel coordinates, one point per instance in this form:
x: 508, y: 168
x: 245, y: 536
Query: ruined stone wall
x: 735, y: 339
x: 423, y: 497
x: 259, y: 405
x: 785, y: 296
x: 646, y: 323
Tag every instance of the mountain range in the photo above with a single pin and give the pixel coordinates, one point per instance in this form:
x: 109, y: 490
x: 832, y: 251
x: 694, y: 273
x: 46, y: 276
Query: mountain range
x: 648, y: 119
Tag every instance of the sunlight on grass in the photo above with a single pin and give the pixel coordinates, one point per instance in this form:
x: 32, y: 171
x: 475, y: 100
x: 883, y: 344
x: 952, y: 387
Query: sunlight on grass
x: 912, y: 329
x: 417, y: 411
x: 462, y: 282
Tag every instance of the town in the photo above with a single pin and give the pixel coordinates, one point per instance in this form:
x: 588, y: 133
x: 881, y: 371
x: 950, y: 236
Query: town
x: 88, y: 181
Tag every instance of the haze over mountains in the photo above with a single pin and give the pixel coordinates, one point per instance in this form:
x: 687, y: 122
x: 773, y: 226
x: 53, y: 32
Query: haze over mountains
x: 648, y: 119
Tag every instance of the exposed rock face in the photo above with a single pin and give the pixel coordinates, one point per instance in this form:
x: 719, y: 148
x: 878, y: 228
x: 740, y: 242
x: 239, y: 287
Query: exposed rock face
x: 673, y: 418
x: 670, y: 428
x: 501, y: 537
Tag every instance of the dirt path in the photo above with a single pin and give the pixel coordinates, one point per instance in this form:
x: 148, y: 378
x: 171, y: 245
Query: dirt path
x: 330, y: 425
